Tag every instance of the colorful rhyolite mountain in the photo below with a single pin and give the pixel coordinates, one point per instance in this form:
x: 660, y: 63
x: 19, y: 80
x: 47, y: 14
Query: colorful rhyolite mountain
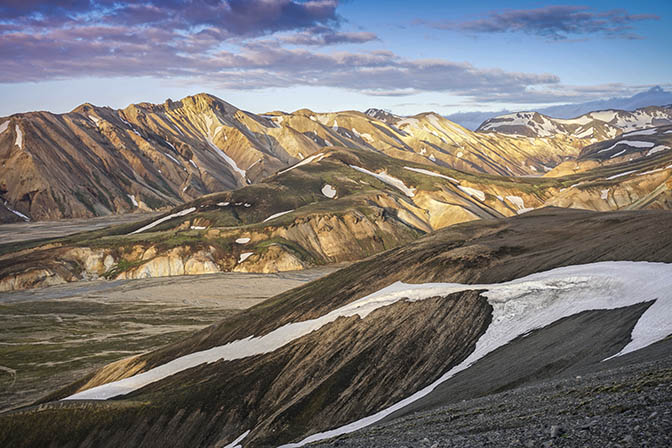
x: 97, y: 161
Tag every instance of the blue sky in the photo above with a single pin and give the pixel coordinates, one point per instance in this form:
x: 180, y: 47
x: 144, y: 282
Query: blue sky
x: 262, y: 55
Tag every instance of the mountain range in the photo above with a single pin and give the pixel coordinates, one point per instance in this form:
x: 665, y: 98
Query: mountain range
x: 655, y: 96
x: 96, y: 161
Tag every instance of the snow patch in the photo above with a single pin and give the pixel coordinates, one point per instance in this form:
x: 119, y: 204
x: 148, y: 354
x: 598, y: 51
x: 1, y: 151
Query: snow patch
x: 172, y: 158
x: 634, y: 144
x: 164, y: 219
x: 223, y: 204
x: 307, y: 160
x: 656, y: 149
x: 244, y: 256
x: 94, y: 119
x: 620, y: 175
x: 478, y: 194
x: 643, y: 132
x: 329, y: 191
x: 242, y: 240
x: 193, y: 163
x: 4, y: 126
x: 17, y: 213
x: 19, y: 137
x: 132, y: 198
x: 197, y: 227
x: 227, y: 159
x: 604, y: 194
x: 390, y: 180
x: 277, y: 215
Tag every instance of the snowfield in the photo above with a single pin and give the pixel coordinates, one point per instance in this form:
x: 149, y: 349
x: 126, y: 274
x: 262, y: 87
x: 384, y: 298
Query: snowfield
x: 535, y: 301
x: 519, y: 306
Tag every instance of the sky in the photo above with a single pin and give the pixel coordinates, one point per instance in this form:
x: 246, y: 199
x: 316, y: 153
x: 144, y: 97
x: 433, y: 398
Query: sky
x: 327, y: 55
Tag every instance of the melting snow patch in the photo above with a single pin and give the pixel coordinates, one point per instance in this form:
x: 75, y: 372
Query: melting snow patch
x: 4, y: 126
x: 620, y: 175
x: 432, y: 158
x: 329, y: 191
x: 247, y: 205
x: 94, y: 119
x: 242, y: 240
x: 132, y: 198
x: 431, y: 173
x: 307, y: 160
x: 277, y: 215
x: 517, y: 201
x: 629, y: 143
x: 519, y: 306
x: 235, y: 443
x: 193, y: 163
x: 244, y: 256
x: 473, y: 192
x: 172, y: 158
x: 197, y: 227
x: 643, y: 132
x: 620, y: 153
x: 538, y: 300
x: 460, y: 154
x: 164, y: 219
x: 227, y: 159
x: 223, y: 204
x: 17, y: 213
x: 604, y: 194
x: 19, y: 137
x: 386, y: 178
x: 658, y: 148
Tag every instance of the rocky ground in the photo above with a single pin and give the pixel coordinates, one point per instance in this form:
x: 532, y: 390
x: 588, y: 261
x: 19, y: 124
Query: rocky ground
x: 626, y: 405
x: 52, y: 336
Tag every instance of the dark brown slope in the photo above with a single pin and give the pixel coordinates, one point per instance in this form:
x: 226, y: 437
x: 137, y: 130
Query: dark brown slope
x: 284, y: 395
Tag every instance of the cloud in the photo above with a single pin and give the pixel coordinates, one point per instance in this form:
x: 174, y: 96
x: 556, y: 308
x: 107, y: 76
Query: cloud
x: 322, y: 36
x: 238, y: 17
x: 553, y: 22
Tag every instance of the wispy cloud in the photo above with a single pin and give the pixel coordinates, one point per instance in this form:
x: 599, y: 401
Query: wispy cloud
x: 322, y: 36
x: 552, y: 22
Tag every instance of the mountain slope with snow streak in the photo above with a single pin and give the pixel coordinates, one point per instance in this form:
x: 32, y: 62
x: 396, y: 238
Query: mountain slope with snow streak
x: 338, y: 205
x: 439, y: 305
x: 88, y: 162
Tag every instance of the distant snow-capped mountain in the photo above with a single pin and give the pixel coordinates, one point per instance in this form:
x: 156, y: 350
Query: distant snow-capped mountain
x: 655, y: 96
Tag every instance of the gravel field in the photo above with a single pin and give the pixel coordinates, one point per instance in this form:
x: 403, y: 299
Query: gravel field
x: 622, y: 405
